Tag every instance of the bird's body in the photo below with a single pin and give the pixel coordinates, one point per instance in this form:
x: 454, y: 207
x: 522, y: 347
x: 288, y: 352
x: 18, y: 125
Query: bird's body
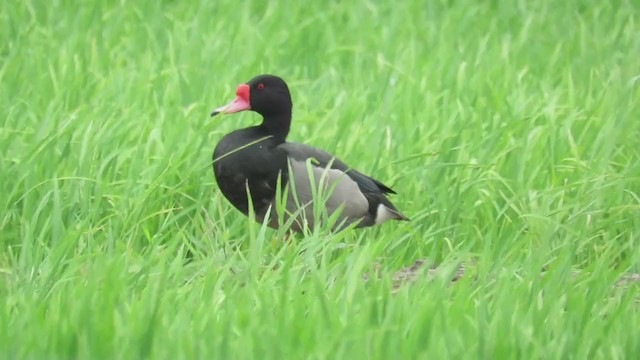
x: 253, y: 165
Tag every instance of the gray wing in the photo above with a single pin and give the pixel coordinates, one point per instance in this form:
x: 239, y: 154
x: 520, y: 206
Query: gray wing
x: 303, y: 152
x: 360, y: 197
x: 309, y: 183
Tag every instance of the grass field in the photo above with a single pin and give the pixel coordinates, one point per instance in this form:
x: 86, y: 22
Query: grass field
x: 510, y: 129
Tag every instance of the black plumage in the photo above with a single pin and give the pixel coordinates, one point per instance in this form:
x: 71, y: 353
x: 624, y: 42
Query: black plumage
x: 248, y: 163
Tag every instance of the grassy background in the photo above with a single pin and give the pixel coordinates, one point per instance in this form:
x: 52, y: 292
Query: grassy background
x: 511, y: 131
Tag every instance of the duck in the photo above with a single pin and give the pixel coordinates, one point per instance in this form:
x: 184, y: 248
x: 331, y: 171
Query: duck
x: 261, y: 173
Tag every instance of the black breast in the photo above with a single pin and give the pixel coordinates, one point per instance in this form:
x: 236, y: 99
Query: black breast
x: 247, y: 160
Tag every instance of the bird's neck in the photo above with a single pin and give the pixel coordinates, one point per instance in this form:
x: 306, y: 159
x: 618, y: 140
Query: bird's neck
x: 277, y: 124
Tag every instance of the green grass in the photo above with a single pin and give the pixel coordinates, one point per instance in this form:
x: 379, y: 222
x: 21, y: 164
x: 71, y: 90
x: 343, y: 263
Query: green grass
x: 511, y: 131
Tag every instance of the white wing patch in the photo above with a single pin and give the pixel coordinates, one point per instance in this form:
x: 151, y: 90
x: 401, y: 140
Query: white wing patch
x: 383, y: 214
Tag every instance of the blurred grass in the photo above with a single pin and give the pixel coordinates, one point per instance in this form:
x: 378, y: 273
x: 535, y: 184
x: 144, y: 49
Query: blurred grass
x: 509, y: 129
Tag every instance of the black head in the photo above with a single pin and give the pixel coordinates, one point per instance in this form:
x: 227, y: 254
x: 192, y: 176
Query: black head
x: 268, y: 95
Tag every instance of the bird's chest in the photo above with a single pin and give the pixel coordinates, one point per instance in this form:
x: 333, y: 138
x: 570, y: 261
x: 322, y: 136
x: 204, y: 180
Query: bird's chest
x: 245, y: 167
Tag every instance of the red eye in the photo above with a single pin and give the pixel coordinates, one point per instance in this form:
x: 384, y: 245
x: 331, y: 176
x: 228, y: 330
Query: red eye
x: 260, y: 86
